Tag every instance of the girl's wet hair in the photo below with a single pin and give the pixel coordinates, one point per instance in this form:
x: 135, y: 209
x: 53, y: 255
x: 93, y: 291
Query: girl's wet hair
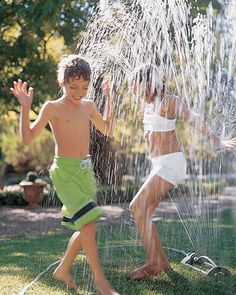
x: 73, y: 67
x: 149, y: 77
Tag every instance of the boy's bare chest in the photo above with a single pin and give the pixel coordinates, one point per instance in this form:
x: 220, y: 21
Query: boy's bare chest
x: 70, y: 117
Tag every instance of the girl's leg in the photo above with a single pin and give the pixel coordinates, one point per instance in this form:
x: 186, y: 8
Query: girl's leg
x: 142, y: 208
x: 62, y: 272
x: 88, y: 241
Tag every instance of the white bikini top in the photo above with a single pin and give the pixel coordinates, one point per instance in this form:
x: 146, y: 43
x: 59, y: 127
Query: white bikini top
x: 153, y: 121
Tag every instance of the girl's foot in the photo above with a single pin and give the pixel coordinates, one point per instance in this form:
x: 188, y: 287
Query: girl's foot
x: 147, y: 270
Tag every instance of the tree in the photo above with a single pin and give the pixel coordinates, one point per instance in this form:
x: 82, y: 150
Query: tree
x: 33, y: 35
x: 200, y: 6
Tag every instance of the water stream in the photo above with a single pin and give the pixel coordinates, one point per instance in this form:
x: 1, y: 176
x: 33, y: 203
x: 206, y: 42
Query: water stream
x: 196, y: 58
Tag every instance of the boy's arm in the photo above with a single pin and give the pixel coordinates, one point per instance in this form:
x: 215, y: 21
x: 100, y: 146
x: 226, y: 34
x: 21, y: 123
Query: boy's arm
x: 25, y: 97
x: 105, y: 123
x: 197, y: 122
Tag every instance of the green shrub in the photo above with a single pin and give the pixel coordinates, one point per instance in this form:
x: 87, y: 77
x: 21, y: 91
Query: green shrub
x: 15, y: 198
x: 231, y: 179
x: 10, y: 180
x: 23, y: 158
x: 198, y: 187
x: 215, y: 187
x: 12, y: 199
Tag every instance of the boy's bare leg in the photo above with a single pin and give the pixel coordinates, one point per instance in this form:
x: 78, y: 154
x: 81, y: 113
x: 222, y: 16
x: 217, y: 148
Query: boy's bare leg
x: 88, y: 241
x: 62, y: 272
x: 142, y: 208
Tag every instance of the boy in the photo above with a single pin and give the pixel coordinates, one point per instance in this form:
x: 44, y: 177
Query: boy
x: 71, y: 171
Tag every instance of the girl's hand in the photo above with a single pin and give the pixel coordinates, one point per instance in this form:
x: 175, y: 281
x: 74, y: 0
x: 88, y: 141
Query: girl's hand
x: 23, y: 95
x: 229, y: 144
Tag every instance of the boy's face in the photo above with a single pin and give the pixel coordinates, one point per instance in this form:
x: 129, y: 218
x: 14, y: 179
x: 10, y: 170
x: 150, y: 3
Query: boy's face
x: 76, y: 89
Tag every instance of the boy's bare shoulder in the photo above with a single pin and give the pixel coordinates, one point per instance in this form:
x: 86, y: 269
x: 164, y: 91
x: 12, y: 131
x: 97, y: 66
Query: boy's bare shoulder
x: 89, y: 103
x: 54, y: 104
x: 51, y: 106
x: 47, y: 105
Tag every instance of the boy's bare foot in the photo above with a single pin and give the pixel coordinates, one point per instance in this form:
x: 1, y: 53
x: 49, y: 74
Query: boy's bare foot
x: 103, y: 287
x: 147, y: 270
x: 65, y: 276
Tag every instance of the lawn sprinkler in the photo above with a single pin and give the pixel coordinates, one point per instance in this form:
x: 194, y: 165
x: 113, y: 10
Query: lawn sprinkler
x: 193, y: 261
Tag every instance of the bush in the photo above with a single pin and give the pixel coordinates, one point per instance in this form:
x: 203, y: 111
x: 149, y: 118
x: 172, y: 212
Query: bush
x: 231, y: 179
x: 12, y: 199
x: 215, y: 187
x: 198, y: 188
x: 15, y: 198
x: 10, y: 180
x: 35, y: 156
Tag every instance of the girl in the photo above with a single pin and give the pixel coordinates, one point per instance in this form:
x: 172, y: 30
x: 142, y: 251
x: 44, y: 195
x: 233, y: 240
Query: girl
x: 168, y: 161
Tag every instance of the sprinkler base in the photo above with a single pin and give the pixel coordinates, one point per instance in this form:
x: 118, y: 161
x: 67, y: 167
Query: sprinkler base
x: 192, y: 260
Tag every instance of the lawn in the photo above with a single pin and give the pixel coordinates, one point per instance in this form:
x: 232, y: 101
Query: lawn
x: 21, y: 260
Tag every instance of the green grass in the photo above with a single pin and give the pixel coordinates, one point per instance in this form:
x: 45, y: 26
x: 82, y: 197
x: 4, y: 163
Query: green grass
x: 22, y: 260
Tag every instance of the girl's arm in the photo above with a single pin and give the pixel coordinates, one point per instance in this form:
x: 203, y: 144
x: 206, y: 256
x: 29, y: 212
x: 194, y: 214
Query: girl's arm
x: 197, y: 122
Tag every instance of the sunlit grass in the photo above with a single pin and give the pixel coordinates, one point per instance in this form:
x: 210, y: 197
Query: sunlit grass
x: 22, y: 260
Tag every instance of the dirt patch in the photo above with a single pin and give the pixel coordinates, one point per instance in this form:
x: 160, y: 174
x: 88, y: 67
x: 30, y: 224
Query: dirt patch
x: 19, y: 222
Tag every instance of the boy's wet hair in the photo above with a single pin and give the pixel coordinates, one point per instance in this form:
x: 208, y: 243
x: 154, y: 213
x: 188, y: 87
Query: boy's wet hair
x: 149, y: 77
x: 73, y: 67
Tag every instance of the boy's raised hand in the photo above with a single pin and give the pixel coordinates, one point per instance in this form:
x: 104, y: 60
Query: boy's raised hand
x: 108, y: 88
x: 22, y: 93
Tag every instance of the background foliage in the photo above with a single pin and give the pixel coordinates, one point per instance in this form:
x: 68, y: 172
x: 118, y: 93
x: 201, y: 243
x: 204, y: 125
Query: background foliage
x: 33, y: 37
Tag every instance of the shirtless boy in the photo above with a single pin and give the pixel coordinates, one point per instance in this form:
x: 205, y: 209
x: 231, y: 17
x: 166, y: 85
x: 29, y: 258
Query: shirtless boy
x: 71, y: 171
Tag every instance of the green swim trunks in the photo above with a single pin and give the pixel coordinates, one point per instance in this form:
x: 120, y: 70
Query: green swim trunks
x: 74, y: 183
